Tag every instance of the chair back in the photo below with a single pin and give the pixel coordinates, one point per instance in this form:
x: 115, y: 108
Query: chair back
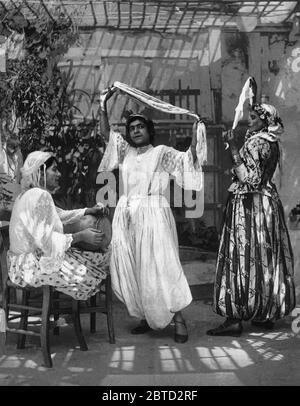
x: 4, y: 246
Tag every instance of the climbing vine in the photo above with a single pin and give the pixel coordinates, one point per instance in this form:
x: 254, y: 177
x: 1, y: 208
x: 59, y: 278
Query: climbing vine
x: 37, y: 99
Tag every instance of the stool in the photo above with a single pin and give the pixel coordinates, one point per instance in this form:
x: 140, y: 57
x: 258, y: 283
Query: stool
x: 37, y: 305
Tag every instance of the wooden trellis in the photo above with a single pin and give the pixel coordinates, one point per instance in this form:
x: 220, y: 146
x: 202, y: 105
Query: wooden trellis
x: 161, y: 16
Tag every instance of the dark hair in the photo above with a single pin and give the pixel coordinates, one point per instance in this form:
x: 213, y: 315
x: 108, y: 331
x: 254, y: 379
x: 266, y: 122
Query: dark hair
x: 13, y: 141
x: 149, y: 124
x: 266, y: 116
x: 50, y: 161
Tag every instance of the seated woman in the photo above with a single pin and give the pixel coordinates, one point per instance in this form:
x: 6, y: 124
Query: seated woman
x: 40, y: 253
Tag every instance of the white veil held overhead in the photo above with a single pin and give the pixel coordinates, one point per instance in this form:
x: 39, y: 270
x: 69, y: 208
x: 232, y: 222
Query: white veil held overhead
x: 165, y: 107
x: 248, y: 92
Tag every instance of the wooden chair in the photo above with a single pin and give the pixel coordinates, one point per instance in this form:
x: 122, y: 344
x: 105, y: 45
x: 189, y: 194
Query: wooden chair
x: 96, y: 305
x: 29, y: 302
x: 101, y: 302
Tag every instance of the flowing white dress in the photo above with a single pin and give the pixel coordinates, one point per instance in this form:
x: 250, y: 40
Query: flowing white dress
x: 145, y: 268
x: 41, y: 254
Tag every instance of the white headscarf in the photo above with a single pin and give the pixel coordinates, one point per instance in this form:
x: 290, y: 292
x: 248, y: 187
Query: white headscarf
x: 31, y: 170
x: 270, y: 116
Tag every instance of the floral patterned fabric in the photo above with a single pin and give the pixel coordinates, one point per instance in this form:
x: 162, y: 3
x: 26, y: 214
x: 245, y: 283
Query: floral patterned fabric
x: 41, y: 254
x: 254, y: 272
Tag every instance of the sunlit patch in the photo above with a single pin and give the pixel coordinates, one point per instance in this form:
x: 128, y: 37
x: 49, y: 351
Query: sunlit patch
x: 30, y: 364
x: 68, y: 384
x: 12, y: 362
x: 76, y: 369
x: 67, y: 358
x: 225, y: 363
x: 240, y: 357
x: 280, y: 91
x: 172, y: 361
x: 42, y: 369
x: 123, y: 358
x: 255, y: 343
x: 225, y: 358
x: 273, y: 336
x: 278, y: 357
x: 236, y: 344
x: 265, y: 352
x: 206, y: 358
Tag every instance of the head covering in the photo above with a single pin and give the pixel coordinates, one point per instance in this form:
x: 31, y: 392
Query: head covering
x: 270, y: 116
x: 136, y: 116
x: 274, y: 128
x: 31, y: 170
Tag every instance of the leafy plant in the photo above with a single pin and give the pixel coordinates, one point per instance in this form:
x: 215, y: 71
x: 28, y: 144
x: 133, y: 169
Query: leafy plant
x: 42, y: 99
x: 197, y: 234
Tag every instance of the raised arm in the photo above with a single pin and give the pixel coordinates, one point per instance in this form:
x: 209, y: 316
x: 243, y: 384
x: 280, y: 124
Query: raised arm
x: 186, y: 167
x: 250, y: 169
x: 116, y: 145
x: 104, y: 123
x: 194, y: 142
x: 231, y: 138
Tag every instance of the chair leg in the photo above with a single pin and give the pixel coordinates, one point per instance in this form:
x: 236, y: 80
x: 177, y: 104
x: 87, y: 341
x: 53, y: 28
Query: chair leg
x: 24, y: 297
x: 77, y: 325
x: 5, y: 301
x: 55, y: 302
x: 45, y: 326
x: 93, y: 303
x: 109, y: 308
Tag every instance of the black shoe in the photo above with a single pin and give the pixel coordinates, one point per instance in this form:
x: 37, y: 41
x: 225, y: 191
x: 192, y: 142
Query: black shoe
x: 180, y: 338
x: 142, y: 328
x: 265, y: 325
x: 228, y: 328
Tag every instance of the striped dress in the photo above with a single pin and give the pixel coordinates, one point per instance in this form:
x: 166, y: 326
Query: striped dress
x: 254, y: 271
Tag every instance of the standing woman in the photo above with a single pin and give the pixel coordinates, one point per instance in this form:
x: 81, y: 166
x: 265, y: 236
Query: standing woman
x: 145, y: 268
x: 254, y: 273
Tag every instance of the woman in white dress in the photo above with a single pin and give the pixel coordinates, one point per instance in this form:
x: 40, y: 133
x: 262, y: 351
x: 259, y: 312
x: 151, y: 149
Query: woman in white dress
x: 40, y: 253
x: 145, y: 268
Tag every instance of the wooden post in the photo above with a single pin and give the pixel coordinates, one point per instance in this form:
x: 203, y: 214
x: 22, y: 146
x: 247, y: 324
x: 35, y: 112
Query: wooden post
x: 215, y: 61
x: 254, y: 52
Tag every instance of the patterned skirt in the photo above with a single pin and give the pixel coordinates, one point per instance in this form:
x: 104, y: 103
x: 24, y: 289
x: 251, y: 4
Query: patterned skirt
x: 79, y: 276
x: 254, y: 272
